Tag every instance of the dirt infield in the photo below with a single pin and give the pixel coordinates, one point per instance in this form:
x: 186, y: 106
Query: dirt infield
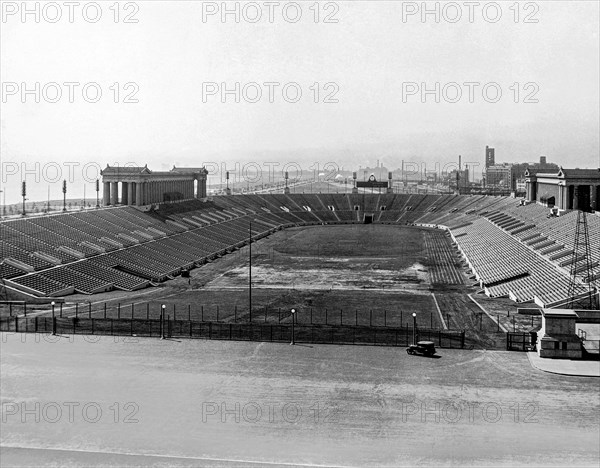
x: 147, y: 402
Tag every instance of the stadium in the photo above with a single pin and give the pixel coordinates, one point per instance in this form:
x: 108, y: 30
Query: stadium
x: 339, y: 258
x: 172, y: 310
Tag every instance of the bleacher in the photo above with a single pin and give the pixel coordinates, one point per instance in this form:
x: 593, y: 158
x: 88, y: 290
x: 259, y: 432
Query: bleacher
x: 513, y: 250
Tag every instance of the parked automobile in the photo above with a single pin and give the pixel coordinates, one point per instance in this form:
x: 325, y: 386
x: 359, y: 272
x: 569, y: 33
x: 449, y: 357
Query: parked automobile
x: 425, y: 348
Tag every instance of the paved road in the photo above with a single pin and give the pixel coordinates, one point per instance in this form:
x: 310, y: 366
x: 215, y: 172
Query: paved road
x: 193, y: 403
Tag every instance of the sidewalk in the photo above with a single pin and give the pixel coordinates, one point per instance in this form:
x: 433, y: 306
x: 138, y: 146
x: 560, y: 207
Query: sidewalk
x: 565, y: 366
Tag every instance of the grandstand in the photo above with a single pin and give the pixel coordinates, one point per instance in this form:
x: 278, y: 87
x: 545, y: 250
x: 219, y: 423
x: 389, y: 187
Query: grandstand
x: 513, y: 250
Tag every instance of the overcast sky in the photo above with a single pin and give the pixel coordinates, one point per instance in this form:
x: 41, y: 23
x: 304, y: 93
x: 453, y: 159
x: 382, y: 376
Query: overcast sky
x: 178, y: 55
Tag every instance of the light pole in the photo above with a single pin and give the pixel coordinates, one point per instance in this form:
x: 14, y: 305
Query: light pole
x: 53, y: 319
x: 64, y: 191
x: 162, y: 324
x: 293, y: 320
x: 414, y: 328
x: 250, y: 270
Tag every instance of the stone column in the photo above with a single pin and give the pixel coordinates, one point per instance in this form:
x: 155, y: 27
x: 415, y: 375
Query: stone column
x: 593, y: 196
x: 561, y: 198
x: 124, y: 192
x: 131, y: 193
x: 106, y: 194
x: 114, y: 193
x: 202, y: 188
x: 146, y: 193
x: 139, y: 197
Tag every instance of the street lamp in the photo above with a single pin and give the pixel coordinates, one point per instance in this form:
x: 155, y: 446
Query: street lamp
x: 250, y: 270
x: 414, y: 328
x: 293, y: 320
x: 162, y: 324
x: 53, y: 319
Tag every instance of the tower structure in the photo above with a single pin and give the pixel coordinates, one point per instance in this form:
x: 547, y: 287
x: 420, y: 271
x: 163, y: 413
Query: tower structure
x: 582, y: 293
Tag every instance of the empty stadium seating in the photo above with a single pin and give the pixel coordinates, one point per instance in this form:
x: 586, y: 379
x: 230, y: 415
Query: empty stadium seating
x: 514, y: 250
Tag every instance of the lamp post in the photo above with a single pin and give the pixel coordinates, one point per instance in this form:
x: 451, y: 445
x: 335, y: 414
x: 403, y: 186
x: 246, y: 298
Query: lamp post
x: 414, y: 328
x: 293, y: 342
x: 250, y: 270
x: 162, y: 324
x: 53, y: 319
x: 64, y: 191
x: 23, y: 194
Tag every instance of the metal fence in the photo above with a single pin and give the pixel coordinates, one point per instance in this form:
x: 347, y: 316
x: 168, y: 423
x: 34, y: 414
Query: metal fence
x: 517, y: 341
x: 300, y: 333
x: 224, y: 313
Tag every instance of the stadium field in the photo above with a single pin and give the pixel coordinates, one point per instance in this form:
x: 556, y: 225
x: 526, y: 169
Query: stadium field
x: 336, y: 274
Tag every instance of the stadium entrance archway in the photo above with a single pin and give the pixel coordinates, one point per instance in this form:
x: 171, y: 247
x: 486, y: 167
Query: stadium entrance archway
x: 368, y: 219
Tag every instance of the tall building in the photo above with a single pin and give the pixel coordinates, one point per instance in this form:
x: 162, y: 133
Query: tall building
x: 542, y: 166
x: 500, y: 176
x: 490, y: 156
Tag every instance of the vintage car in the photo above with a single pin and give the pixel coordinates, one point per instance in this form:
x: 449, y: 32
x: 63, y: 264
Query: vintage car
x: 426, y: 348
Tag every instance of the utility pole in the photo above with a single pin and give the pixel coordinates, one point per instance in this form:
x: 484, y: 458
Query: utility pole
x: 250, y: 269
x: 64, y: 190
x: 24, y: 194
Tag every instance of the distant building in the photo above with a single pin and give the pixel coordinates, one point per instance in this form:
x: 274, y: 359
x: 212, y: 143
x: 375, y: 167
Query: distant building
x: 490, y: 157
x: 462, y: 181
x: 568, y: 189
x: 543, y: 166
x: 512, y: 176
x: 140, y: 186
x: 501, y: 176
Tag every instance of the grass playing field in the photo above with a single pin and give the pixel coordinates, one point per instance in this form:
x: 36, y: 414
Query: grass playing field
x: 338, y: 274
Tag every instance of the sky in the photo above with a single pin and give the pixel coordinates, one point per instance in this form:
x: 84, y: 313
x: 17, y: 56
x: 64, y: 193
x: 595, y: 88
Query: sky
x: 308, y: 83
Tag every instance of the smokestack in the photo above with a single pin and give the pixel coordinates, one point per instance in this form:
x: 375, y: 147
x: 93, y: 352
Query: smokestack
x: 458, y: 175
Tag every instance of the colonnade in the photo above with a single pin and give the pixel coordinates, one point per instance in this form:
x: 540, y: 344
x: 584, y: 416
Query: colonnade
x: 146, y: 192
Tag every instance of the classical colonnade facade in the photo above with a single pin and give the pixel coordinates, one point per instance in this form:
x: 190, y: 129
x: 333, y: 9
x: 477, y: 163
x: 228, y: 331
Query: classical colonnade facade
x: 140, y: 186
x: 569, y: 189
